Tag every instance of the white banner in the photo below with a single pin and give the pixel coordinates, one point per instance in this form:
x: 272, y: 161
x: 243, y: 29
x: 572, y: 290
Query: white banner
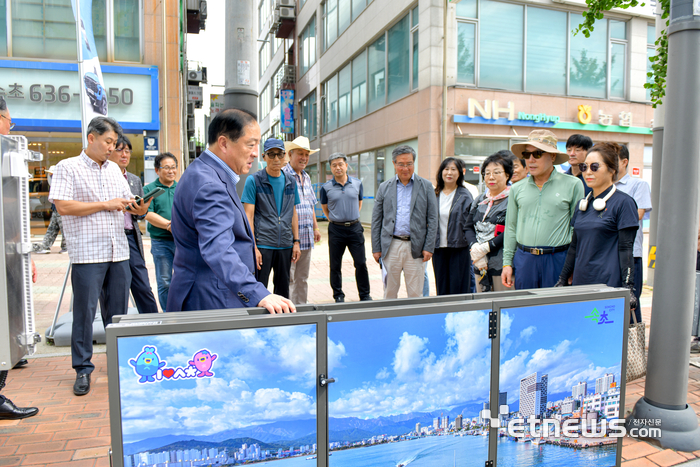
x: 93, y: 95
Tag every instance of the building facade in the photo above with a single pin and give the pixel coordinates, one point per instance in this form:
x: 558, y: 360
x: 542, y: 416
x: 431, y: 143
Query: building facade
x: 138, y: 43
x: 579, y: 390
x: 368, y: 76
x: 604, y: 383
x: 533, y: 395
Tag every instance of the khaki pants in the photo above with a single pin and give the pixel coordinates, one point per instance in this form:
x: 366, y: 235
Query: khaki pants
x: 398, y: 259
x: 298, y: 274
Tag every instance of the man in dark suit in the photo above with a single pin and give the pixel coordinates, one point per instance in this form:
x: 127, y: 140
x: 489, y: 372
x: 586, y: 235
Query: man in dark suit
x: 214, y: 264
x: 140, y: 285
x: 404, y: 225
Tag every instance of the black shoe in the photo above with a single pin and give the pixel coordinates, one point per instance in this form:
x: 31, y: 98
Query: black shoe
x: 9, y: 411
x: 21, y: 363
x: 82, y: 384
x: 339, y: 299
x: 366, y: 299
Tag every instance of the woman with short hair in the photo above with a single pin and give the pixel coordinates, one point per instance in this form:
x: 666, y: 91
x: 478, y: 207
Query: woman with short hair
x: 605, y: 224
x: 486, y: 221
x: 451, y: 262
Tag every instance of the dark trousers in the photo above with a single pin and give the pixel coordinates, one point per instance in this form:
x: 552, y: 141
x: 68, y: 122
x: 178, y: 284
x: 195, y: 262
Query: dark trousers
x: 453, y: 270
x: 537, y: 271
x: 140, y: 285
x: 638, y: 280
x: 89, y: 281
x: 352, y: 238
x: 281, y: 262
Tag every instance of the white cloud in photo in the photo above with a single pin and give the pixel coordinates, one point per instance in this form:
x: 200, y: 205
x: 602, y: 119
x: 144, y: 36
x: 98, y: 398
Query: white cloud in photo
x: 527, y: 333
x: 383, y: 373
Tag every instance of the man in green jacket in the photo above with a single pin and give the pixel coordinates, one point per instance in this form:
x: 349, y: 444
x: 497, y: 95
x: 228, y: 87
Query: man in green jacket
x: 538, y: 220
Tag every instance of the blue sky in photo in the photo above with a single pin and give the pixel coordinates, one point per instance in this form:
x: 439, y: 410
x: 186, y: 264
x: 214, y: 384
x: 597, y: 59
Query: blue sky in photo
x: 560, y: 341
x: 261, y: 376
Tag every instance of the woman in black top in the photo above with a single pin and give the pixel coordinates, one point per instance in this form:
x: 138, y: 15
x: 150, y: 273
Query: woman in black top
x: 605, y: 225
x: 486, y: 221
x: 451, y: 262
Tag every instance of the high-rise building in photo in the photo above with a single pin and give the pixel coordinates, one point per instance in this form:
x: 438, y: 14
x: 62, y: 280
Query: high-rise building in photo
x: 580, y: 390
x: 533, y: 395
x: 604, y: 383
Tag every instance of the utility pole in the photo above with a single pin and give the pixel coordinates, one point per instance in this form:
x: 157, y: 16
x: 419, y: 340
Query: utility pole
x: 241, y: 62
x: 665, y: 393
x: 658, y: 135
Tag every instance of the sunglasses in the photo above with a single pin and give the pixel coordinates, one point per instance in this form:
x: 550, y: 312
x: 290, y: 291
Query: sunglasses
x: 536, y: 154
x: 272, y: 155
x: 594, y: 166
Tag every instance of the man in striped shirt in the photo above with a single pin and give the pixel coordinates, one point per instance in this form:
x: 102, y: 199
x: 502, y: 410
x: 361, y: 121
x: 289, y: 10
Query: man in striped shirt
x: 309, y: 233
x: 91, y: 195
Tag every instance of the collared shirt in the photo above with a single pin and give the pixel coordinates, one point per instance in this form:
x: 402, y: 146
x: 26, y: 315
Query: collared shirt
x: 640, y: 192
x: 128, y: 223
x: 305, y: 209
x: 541, y: 218
x: 402, y: 226
x: 163, y: 206
x: 343, y: 200
x: 580, y: 177
x: 233, y: 175
x: 99, y: 237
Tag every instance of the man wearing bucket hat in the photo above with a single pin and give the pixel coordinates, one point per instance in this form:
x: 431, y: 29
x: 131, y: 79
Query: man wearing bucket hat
x: 538, y: 225
x: 55, y: 225
x: 269, y: 198
x: 309, y: 233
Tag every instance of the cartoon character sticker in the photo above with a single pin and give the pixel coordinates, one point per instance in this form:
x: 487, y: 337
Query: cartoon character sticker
x: 147, y: 364
x: 150, y: 368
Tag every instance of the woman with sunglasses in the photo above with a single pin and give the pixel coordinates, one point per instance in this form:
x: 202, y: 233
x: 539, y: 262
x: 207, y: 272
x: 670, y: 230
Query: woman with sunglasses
x: 605, y: 225
x: 486, y: 221
x: 451, y: 262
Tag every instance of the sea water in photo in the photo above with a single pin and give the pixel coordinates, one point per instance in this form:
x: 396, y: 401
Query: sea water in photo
x: 409, y: 390
x: 218, y: 397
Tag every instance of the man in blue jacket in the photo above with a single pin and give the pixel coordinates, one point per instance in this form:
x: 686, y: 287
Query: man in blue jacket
x: 214, y: 265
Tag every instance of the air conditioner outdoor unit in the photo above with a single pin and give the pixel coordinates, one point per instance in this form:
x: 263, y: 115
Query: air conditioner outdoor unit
x: 191, y: 146
x: 190, y: 108
x: 281, y: 3
x: 190, y: 123
x: 276, y: 18
x: 195, y: 75
x: 289, y: 74
x: 202, y: 10
x: 286, y: 13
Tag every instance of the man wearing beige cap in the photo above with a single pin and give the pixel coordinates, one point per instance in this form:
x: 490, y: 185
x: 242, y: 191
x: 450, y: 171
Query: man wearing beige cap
x: 309, y: 233
x: 538, y: 221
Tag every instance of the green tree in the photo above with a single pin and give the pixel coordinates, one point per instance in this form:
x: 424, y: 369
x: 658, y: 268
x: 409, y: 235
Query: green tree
x: 657, y: 84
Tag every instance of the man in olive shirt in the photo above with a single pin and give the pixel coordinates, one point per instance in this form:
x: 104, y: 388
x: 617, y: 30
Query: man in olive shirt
x: 158, y: 217
x: 538, y: 220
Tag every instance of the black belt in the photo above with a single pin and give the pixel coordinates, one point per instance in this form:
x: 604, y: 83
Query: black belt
x: 129, y: 231
x: 344, y: 224
x: 548, y: 250
x: 405, y: 238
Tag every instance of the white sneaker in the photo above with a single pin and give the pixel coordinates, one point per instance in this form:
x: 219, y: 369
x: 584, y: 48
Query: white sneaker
x: 42, y: 252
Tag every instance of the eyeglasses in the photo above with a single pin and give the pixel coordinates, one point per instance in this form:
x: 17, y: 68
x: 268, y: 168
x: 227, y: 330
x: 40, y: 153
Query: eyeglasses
x: 494, y: 174
x: 405, y: 166
x: 168, y: 168
x: 536, y: 154
x: 12, y: 125
x: 594, y: 166
x: 272, y: 155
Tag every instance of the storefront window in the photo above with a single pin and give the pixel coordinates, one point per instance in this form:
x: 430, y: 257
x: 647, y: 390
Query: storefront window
x: 399, y: 56
x: 617, y: 70
x: 501, y: 45
x: 589, y: 62
x: 546, y: 52
x: 127, y: 46
x: 466, y: 52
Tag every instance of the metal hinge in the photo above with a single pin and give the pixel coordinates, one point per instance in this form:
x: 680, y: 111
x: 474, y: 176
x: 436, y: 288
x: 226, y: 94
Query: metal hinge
x: 489, y: 464
x: 493, y: 324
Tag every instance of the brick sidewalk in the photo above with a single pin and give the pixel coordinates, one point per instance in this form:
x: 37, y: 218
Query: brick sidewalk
x: 74, y: 431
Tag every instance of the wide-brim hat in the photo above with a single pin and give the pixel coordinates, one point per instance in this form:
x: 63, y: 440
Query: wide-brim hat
x: 301, y: 142
x: 544, y: 140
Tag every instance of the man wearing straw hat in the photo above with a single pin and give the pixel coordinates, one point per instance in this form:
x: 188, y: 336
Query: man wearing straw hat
x: 538, y: 223
x: 309, y: 233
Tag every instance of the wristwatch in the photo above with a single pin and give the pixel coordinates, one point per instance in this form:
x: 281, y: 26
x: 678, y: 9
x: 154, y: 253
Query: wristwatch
x: 296, y: 240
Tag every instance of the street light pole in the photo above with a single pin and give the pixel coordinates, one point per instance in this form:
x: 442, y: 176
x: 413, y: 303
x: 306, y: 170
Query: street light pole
x: 666, y: 390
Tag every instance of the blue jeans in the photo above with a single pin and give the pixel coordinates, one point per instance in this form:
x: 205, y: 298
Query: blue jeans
x: 163, y: 252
